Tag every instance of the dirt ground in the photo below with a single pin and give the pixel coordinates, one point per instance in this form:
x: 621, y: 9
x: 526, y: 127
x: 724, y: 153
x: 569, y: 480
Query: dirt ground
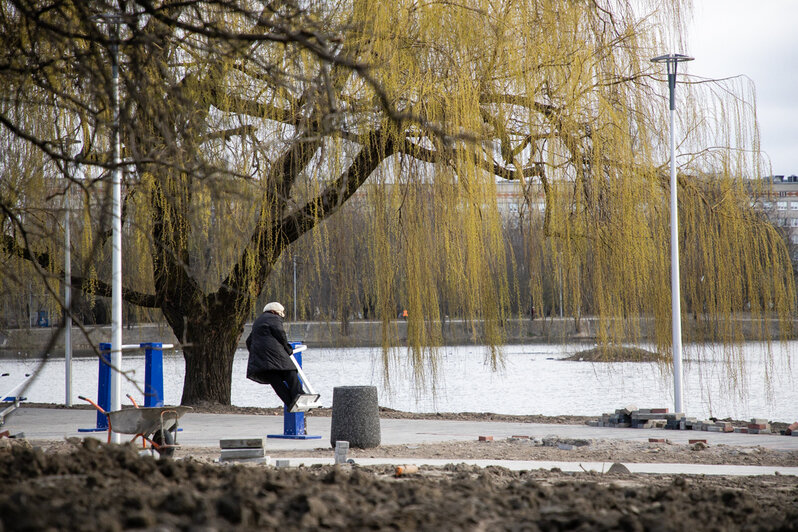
x: 109, y: 487
x: 87, y: 485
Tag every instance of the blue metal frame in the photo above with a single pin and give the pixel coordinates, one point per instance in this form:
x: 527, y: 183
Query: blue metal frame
x: 153, y: 373
x: 103, y: 389
x: 153, y: 381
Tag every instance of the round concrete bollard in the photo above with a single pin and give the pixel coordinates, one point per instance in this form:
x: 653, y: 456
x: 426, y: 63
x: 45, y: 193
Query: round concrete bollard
x: 355, y: 416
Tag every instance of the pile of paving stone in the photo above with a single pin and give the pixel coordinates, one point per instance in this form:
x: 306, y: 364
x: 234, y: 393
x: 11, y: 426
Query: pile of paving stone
x: 653, y: 418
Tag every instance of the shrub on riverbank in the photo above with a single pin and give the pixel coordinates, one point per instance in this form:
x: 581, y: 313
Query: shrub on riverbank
x: 616, y: 354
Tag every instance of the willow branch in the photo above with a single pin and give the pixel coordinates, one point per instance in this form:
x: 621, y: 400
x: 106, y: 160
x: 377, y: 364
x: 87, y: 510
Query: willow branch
x: 433, y: 156
x: 337, y: 192
x: 241, y: 131
x: 12, y: 247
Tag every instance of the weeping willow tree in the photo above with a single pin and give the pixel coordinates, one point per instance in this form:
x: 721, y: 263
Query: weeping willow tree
x: 246, y: 125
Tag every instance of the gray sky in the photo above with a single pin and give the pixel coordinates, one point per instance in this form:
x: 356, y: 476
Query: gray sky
x: 757, y: 38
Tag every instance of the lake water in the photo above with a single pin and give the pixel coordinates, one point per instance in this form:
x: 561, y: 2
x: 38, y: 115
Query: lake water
x: 533, y: 381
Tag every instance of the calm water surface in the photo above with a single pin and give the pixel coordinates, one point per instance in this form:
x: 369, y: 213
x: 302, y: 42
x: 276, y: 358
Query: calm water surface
x: 533, y: 381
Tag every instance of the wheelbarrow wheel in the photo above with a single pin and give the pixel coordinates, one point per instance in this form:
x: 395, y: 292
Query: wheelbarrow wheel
x: 165, y: 439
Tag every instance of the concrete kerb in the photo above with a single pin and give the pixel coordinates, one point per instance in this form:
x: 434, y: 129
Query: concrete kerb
x: 571, y: 467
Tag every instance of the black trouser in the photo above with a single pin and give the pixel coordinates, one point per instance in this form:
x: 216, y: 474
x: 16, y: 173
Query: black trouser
x: 285, y: 383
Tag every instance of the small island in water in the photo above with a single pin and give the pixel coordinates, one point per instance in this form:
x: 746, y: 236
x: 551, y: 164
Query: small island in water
x: 614, y: 353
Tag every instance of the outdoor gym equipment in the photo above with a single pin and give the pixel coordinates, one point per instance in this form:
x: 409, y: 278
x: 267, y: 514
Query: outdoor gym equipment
x: 9, y: 400
x: 153, y: 379
x: 306, y: 401
x: 294, y: 422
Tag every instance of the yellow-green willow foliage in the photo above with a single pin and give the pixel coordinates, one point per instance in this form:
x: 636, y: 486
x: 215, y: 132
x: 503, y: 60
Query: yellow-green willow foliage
x: 564, y: 86
x: 246, y: 128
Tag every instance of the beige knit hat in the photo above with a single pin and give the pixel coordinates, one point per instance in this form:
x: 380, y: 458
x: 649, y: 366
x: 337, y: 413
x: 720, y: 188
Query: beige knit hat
x: 275, y: 307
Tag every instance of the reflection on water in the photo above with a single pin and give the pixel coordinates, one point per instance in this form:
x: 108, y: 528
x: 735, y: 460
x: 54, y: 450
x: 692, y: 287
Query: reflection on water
x: 533, y: 381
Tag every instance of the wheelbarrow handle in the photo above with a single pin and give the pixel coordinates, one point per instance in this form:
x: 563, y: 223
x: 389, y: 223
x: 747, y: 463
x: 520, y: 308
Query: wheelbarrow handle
x: 132, y: 400
x: 95, y: 405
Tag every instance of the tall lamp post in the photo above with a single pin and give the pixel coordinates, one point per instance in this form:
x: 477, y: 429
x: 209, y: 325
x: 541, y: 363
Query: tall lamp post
x: 116, y: 265
x: 672, y: 61
x: 113, y: 20
x: 68, y: 287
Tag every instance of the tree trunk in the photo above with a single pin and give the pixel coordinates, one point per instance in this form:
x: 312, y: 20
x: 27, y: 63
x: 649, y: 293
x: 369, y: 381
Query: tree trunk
x: 208, y: 353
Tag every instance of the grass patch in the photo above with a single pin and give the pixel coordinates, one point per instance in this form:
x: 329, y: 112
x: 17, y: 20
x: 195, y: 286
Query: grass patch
x: 616, y: 354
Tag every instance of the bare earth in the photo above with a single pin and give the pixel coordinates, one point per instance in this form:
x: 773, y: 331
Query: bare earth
x: 87, y: 485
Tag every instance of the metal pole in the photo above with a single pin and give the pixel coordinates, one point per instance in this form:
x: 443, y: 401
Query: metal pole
x: 676, y: 309
x: 561, y: 313
x: 67, y: 305
x: 294, y: 287
x: 672, y: 61
x: 116, y: 268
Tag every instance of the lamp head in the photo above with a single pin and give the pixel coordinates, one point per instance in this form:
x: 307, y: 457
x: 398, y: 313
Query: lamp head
x: 672, y: 58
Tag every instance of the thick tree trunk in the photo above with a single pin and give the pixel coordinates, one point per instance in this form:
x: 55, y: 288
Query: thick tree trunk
x: 208, y: 353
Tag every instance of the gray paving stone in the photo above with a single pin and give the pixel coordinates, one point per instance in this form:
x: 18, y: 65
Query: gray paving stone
x: 232, y: 454
x: 241, y: 443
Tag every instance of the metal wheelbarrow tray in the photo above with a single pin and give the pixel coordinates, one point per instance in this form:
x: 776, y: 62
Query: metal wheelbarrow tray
x: 145, y: 420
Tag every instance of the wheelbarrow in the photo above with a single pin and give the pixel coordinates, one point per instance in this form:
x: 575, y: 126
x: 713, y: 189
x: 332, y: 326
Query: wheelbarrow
x: 156, y: 425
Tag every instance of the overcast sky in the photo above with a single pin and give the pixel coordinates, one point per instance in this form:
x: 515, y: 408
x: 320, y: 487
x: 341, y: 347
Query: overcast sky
x: 757, y: 38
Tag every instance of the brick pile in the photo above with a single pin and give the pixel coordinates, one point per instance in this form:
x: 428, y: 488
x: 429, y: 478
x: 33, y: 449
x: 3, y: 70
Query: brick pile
x: 652, y: 418
x: 640, y: 418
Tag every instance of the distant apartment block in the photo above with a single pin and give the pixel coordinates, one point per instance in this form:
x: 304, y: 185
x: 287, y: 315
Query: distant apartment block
x: 782, y: 207
x: 779, y: 201
x: 510, y: 199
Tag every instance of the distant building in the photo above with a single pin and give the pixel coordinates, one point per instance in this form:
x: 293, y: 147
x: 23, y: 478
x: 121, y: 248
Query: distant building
x: 781, y: 207
x: 510, y: 199
x: 779, y: 201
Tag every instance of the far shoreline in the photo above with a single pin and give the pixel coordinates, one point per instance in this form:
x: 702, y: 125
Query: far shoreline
x: 30, y: 342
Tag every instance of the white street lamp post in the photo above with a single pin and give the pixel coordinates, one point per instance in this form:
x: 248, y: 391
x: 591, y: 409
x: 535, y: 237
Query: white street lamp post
x: 672, y: 61
x: 116, y: 246
x: 114, y: 19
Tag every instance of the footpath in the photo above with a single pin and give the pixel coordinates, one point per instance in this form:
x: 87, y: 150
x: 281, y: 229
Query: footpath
x: 206, y: 430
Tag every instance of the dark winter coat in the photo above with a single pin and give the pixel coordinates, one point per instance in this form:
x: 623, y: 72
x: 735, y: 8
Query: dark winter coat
x: 268, y: 347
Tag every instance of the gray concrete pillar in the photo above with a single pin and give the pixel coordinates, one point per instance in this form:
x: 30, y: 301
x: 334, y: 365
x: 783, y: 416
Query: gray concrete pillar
x: 355, y: 416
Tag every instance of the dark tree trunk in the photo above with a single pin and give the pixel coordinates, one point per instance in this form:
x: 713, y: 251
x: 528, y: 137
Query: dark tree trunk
x: 209, y: 351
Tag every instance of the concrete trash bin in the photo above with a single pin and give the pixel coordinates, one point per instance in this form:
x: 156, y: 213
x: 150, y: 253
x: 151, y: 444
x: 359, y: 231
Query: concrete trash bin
x: 355, y: 416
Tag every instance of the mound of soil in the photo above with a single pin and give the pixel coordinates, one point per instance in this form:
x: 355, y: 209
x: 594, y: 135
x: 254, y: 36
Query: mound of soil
x: 111, y: 487
x: 616, y: 354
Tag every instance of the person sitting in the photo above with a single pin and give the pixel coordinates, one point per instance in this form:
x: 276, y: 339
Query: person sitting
x: 269, y: 361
